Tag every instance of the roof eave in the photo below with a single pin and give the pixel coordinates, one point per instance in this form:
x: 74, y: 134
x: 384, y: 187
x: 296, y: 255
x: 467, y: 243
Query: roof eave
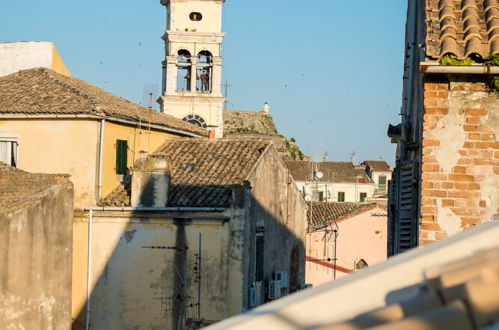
x: 428, y: 67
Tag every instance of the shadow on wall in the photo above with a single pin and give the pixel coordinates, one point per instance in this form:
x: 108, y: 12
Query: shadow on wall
x: 154, y: 270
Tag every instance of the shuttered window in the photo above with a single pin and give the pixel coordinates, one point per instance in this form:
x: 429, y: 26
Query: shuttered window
x: 406, y: 222
x: 341, y: 196
x: 363, y: 197
x: 121, y: 156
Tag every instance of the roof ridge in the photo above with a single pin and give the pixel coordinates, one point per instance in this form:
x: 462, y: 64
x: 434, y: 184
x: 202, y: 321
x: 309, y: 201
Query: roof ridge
x: 56, y: 77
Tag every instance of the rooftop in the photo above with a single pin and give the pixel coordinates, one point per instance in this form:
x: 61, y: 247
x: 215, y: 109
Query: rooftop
x: 321, y: 214
x: 42, y: 91
x: 378, y: 165
x: 17, y: 185
x: 462, y: 28
x: 333, y: 172
x: 204, y: 171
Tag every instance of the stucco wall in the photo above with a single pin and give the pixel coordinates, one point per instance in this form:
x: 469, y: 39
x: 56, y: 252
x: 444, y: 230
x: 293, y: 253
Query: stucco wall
x: 35, y: 259
x: 138, y: 139
x: 59, y: 146
x: 28, y: 55
x: 362, y: 236
x: 211, y: 11
x: 460, y: 165
x: 136, y: 287
x: 279, y: 208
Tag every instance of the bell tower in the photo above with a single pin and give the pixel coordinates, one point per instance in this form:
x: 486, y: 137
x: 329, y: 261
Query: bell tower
x: 192, y: 69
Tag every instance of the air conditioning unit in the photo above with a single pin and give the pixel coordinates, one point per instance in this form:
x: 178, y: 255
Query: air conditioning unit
x: 274, y: 290
x: 283, y: 278
x: 256, y: 294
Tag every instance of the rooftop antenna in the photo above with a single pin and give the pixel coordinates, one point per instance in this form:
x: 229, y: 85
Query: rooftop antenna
x: 150, y: 93
x: 324, y: 157
x: 226, y: 93
x: 352, y: 157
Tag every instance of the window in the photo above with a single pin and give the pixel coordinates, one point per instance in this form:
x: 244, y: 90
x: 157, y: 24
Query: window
x: 363, y: 197
x: 341, y: 196
x: 121, y: 157
x: 8, y: 150
x: 196, y: 120
x: 361, y: 264
x: 184, y: 66
x: 259, y: 257
x: 195, y: 16
x: 382, y: 180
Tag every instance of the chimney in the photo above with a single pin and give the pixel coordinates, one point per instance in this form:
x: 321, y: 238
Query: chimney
x: 151, y: 181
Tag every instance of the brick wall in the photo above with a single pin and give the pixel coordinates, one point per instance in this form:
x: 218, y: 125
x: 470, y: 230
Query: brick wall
x: 460, y: 156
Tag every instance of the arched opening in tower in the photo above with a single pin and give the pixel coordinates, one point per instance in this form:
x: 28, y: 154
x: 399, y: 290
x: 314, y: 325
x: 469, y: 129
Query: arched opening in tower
x: 204, y: 72
x: 184, y: 73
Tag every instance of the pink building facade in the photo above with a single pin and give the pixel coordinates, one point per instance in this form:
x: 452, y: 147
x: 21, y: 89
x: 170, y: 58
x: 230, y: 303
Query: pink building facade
x: 355, y: 233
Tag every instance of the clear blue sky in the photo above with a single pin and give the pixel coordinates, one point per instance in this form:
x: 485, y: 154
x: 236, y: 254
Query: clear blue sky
x: 331, y: 70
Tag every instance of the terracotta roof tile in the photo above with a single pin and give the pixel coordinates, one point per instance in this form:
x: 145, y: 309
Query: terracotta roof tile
x: 204, y: 172
x: 43, y: 91
x: 320, y: 214
x: 17, y: 185
x: 462, y: 28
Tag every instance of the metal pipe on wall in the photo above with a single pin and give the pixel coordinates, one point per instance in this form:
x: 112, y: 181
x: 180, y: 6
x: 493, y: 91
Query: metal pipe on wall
x: 101, y: 152
x: 89, y: 269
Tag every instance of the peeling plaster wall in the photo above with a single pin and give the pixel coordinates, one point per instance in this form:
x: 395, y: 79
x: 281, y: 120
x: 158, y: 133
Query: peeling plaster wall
x: 460, y: 157
x: 35, y: 261
x: 135, y: 286
x: 279, y: 208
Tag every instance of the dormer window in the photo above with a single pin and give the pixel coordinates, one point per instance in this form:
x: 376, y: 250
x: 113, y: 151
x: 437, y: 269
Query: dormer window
x: 195, y: 16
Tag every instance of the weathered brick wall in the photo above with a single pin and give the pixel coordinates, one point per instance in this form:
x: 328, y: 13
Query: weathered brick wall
x: 460, y: 156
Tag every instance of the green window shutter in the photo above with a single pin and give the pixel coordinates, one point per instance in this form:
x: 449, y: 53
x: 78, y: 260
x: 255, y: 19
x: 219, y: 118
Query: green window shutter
x: 121, y: 156
x: 363, y: 197
x: 341, y: 196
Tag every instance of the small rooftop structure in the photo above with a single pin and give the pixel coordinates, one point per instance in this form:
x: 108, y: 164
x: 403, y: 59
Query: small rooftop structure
x: 16, y: 56
x: 377, y: 166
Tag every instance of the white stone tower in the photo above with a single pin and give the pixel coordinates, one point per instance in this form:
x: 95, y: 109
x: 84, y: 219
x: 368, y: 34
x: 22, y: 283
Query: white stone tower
x: 192, y: 70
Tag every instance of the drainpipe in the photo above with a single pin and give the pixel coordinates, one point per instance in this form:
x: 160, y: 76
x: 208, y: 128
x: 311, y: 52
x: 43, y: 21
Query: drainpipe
x: 101, y: 151
x: 89, y: 268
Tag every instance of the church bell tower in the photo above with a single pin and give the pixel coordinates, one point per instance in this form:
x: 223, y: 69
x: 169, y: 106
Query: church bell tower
x: 192, y: 69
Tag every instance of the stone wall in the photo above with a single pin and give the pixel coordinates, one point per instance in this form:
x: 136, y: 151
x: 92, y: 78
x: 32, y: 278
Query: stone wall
x: 35, y: 256
x: 460, y: 156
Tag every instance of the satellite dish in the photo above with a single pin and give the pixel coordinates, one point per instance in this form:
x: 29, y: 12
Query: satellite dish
x: 308, y: 198
x: 319, y: 175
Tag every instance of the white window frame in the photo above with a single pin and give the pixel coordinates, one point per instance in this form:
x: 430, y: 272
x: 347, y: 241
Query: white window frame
x: 9, y: 137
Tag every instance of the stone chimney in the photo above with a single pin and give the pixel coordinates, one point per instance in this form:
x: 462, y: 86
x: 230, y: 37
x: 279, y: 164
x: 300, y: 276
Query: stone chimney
x: 151, y: 181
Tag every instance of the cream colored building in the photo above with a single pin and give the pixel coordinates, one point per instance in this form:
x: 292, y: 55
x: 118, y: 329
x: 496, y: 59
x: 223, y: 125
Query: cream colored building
x: 16, y: 56
x: 338, y: 181
x: 192, y: 69
x: 202, y: 232
x: 51, y: 123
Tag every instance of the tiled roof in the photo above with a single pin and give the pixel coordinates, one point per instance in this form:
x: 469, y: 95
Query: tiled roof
x: 17, y: 185
x: 320, y: 214
x: 42, y: 91
x: 204, y: 172
x: 377, y: 165
x: 333, y: 172
x: 463, y: 28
